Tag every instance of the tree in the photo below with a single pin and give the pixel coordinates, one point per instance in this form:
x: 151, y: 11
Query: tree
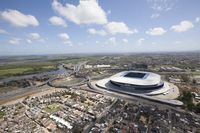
x: 77, y: 129
x: 187, y: 99
x: 185, y: 78
x: 197, y: 108
x: 194, y: 81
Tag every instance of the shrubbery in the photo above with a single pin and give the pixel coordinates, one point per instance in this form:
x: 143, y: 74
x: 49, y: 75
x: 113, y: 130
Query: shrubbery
x: 187, y: 99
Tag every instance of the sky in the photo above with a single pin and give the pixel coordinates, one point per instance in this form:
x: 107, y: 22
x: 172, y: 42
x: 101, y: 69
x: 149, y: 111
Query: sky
x: 39, y: 27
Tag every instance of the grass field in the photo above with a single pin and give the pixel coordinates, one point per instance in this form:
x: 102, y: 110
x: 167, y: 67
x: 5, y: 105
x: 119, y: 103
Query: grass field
x: 67, y: 81
x: 25, y: 68
x: 2, y: 114
x: 52, y: 108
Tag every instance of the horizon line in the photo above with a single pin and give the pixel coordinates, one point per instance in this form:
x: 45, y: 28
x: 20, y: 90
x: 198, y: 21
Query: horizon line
x: 103, y: 53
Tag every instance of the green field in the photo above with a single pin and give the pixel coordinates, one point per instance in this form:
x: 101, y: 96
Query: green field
x: 66, y: 82
x: 52, y: 108
x: 28, y: 65
x: 2, y: 114
x: 23, y: 69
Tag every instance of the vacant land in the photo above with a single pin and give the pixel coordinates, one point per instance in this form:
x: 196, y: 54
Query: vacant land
x: 52, y: 108
x: 68, y: 81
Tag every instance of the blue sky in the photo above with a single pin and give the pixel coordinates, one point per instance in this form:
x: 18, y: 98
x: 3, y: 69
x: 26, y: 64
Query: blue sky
x: 92, y: 26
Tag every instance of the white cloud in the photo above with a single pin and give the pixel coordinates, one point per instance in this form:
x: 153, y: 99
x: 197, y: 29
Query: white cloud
x: 58, y: 21
x: 125, y: 40
x: 28, y: 41
x: 111, y: 40
x: 18, y: 19
x: 113, y: 28
x: 162, y: 5
x: 182, y: 26
x: 65, y: 38
x: 109, y: 12
x: 35, y: 37
x: 156, y: 31
x: 43, y: 40
x: 155, y: 15
x: 87, y: 12
x: 140, y: 41
x: 2, y: 31
x: 177, y: 42
x: 154, y: 43
x: 197, y: 20
x: 96, y: 32
x: 15, y: 41
x: 118, y: 27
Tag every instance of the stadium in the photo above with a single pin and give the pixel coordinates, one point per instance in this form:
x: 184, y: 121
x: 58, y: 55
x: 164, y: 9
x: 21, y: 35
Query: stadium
x: 139, y: 82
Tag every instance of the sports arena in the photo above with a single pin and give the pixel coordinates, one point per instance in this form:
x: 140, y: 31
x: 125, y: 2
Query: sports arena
x: 139, y: 82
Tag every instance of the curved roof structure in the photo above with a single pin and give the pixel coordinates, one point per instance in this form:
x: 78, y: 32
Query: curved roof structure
x: 140, y: 82
x: 143, y: 84
x: 137, y: 78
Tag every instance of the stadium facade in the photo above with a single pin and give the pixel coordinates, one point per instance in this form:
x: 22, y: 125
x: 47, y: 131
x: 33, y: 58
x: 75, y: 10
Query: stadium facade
x: 139, y: 82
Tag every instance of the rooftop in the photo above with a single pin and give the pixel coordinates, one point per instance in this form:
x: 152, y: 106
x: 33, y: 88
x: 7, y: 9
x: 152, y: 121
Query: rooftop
x: 135, y: 75
x: 136, y: 78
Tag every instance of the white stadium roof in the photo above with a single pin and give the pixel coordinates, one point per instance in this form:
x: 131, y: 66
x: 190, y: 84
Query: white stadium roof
x: 136, y: 78
x: 143, y: 84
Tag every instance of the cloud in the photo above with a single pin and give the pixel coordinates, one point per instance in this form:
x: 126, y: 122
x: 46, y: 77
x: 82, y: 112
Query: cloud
x: 14, y: 41
x: 156, y: 31
x: 2, y: 31
x: 182, y: 26
x: 177, y: 42
x: 18, y: 19
x: 113, y: 28
x: 197, y: 20
x: 87, y: 12
x: 153, y: 43
x: 162, y: 5
x: 28, y: 41
x: 97, y: 32
x: 108, y: 12
x: 155, y: 15
x: 65, y: 38
x: 125, y: 40
x: 118, y: 27
x: 35, y: 37
x: 111, y: 40
x: 140, y: 41
x: 58, y: 21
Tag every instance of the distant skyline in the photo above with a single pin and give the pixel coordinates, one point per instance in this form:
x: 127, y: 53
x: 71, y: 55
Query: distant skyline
x: 37, y: 27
